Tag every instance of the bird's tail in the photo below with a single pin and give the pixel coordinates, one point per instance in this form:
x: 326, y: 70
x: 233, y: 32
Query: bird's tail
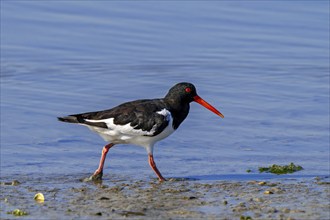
x: 78, y: 119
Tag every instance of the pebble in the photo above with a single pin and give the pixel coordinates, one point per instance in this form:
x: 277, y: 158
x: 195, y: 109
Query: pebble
x: 189, y: 197
x: 272, y: 210
x: 259, y: 200
x: 276, y: 190
x: 12, y: 183
x: 286, y: 210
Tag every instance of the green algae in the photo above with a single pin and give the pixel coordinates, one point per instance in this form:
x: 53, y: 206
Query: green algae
x: 279, y: 169
x: 17, y: 212
x: 245, y: 217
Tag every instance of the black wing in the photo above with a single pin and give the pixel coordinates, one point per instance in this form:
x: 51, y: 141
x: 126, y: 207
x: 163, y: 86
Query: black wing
x: 140, y: 114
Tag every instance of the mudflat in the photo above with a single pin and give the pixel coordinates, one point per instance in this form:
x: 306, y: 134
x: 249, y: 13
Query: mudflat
x: 117, y: 197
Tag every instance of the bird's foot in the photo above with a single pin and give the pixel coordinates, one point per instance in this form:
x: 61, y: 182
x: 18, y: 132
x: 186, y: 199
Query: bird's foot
x: 97, y: 176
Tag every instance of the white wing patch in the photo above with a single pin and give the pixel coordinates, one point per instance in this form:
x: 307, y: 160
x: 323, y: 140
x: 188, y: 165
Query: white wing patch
x: 165, y: 113
x: 123, y: 129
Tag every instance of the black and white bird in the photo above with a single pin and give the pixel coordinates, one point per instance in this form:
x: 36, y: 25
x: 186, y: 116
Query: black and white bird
x: 141, y: 122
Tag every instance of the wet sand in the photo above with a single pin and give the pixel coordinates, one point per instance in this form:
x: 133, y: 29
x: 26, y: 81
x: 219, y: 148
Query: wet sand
x: 116, y: 197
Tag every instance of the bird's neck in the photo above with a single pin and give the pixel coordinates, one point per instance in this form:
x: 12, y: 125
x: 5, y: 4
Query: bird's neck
x: 179, y: 111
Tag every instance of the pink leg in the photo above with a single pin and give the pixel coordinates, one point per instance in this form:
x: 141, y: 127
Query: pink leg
x: 154, y: 167
x: 99, y: 172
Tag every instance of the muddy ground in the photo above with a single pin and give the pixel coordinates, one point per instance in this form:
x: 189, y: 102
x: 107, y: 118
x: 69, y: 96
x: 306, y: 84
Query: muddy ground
x: 67, y: 197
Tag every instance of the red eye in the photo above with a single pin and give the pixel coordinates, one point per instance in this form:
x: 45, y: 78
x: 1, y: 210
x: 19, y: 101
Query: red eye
x: 188, y: 90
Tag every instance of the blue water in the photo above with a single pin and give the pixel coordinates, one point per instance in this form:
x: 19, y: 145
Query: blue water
x: 263, y: 64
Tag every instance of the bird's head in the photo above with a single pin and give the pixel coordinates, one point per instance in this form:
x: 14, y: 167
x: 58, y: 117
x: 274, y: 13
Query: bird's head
x: 185, y: 93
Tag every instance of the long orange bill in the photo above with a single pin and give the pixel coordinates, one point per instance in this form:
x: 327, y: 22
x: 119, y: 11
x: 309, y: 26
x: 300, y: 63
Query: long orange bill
x: 202, y: 102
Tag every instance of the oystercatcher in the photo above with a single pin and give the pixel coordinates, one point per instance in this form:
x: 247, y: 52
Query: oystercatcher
x: 141, y: 122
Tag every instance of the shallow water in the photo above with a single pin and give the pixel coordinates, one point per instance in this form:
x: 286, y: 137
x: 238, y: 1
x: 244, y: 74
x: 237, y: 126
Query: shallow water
x: 264, y: 65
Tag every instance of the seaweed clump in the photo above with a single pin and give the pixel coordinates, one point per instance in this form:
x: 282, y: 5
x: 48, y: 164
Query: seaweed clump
x: 278, y: 169
x: 18, y: 212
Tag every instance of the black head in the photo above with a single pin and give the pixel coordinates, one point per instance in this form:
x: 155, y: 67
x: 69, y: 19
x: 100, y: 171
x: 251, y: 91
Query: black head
x: 182, y: 92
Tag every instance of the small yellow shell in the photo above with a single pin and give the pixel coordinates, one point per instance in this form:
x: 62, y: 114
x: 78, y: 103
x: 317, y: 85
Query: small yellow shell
x: 261, y: 183
x: 268, y: 192
x: 39, y: 197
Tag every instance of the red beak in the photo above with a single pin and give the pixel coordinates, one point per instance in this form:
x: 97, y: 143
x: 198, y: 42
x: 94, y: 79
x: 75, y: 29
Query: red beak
x: 202, y: 102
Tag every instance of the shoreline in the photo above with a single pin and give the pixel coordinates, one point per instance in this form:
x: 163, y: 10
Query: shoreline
x: 66, y: 197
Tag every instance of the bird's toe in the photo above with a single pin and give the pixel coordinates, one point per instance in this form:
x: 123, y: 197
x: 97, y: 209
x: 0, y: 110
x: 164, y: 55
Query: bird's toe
x: 94, y: 177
